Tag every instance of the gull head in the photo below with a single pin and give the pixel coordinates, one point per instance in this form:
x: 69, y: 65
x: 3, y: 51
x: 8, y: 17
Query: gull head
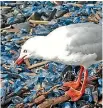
x: 27, y: 51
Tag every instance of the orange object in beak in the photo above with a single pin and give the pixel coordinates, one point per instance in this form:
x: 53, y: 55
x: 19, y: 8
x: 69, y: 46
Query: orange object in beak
x: 20, y: 60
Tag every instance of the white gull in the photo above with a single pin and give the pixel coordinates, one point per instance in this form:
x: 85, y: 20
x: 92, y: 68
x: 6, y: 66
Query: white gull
x: 75, y: 44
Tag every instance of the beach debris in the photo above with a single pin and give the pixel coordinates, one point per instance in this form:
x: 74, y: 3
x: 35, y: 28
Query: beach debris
x: 39, y: 84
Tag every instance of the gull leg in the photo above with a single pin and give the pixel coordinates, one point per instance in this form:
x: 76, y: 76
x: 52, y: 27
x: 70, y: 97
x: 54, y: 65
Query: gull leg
x: 76, y: 94
x: 75, y: 84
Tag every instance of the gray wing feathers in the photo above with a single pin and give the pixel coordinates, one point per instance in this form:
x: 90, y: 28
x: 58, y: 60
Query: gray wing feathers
x: 86, y: 39
x: 88, y: 49
x: 86, y: 35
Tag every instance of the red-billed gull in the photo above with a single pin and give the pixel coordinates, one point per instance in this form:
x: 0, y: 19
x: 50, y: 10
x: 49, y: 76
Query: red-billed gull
x: 75, y: 44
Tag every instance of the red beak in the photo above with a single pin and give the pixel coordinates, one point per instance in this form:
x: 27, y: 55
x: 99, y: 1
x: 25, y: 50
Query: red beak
x: 20, y: 60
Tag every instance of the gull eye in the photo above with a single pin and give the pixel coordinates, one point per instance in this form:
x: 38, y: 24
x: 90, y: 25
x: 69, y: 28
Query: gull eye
x: 25, y: 51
